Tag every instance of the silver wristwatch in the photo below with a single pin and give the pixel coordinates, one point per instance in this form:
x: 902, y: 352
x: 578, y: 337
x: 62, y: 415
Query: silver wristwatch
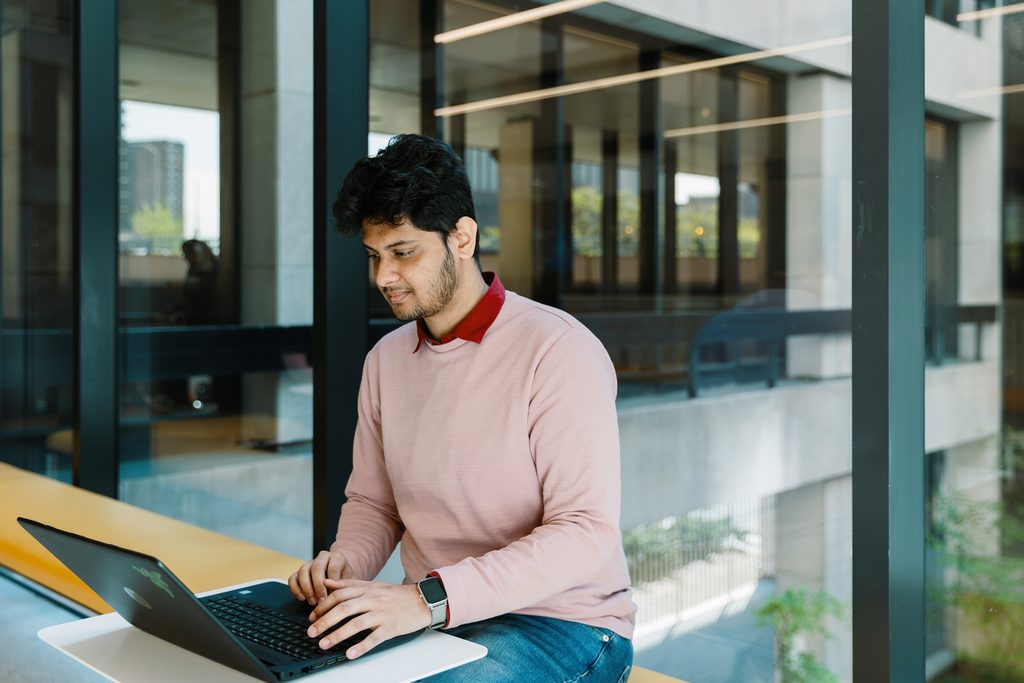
x: 433, y: 593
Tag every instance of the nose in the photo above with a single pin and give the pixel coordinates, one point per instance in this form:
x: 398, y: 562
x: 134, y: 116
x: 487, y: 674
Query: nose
x: 385, y: 274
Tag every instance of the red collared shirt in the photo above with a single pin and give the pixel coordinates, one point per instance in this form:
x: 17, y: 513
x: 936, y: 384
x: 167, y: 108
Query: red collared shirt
x: 475, y: 325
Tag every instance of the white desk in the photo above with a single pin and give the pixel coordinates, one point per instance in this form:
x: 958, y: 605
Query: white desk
x: 114, y: 648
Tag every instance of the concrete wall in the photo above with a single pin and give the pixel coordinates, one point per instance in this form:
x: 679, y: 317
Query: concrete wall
x: 680, y: 455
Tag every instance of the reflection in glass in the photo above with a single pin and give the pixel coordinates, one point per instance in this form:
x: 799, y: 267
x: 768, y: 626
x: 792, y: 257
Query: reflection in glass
x: 974, y: 342
x: 36, y: 372
x: 699, y: 224
x: 215, y: 286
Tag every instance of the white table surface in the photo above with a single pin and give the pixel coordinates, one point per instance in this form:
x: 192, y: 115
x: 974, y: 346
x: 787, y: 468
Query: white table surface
x: 117, y: 650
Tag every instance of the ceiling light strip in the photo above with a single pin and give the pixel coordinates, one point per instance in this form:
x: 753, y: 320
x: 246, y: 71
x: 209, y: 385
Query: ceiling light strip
x: 635, y: 77
x: 991, y: 12
x: 985, y: 92
x: 510, y: 20
x: 755, y: 123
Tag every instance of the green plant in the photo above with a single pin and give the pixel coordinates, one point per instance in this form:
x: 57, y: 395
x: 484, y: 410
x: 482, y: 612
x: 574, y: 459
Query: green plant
x: 654, y: 551
x: 796, y: 612
x: 986, y: 586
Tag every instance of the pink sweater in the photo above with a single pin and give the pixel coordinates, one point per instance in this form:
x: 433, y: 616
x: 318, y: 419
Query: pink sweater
x: 497, y: 465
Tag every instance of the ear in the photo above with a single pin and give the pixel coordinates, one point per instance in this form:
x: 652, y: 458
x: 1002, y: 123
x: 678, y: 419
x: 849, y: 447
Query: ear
x: 464, y: 238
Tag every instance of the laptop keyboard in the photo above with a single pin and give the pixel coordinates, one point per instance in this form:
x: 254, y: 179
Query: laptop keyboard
x: 252, y: 621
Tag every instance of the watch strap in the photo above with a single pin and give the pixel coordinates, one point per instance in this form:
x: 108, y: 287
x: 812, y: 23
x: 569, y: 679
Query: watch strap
x: 438, y: 610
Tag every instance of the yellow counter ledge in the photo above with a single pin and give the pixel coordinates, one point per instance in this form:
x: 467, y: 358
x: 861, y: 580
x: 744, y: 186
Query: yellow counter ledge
x: 202, y: 559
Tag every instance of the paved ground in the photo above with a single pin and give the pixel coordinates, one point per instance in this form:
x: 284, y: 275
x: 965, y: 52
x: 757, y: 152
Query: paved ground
x: 23, y: 657
x: 719, y: 644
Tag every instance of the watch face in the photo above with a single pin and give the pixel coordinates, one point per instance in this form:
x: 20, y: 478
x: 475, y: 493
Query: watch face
x: 433, y: 590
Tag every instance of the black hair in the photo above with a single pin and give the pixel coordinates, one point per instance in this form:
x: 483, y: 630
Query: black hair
x: 416, y: 178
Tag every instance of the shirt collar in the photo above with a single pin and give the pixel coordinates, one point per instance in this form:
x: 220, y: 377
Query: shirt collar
x: 475, y: 325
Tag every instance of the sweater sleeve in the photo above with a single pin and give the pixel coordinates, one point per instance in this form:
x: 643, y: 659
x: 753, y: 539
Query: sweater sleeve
x: 369, y: 527
x: 574, y: 439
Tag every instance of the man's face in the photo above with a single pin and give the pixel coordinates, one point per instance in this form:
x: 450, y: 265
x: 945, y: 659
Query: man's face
x: 414, y: 269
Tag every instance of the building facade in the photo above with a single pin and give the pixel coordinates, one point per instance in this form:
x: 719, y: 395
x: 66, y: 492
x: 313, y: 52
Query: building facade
x: 679, y: 176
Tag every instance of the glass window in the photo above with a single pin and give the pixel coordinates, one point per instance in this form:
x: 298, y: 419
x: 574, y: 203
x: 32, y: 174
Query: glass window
x: 36, y: 393
x: 216, y: 265
x: 698, y: 221
x: 974, y: 418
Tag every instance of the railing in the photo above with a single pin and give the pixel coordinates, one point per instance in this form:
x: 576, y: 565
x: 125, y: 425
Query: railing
x: 740, y: 345
x: 149, y: 353
x: 691, y: 560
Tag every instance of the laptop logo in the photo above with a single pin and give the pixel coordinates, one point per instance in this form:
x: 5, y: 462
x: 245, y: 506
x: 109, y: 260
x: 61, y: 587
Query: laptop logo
x: 137, y: 598
x: 155, y: 578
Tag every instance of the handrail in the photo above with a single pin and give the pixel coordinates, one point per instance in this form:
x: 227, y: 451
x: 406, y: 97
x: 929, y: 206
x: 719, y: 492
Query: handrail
x: 768, y: 326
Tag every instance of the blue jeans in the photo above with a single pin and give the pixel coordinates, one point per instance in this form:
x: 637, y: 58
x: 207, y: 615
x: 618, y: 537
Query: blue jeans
x: 541, y: 649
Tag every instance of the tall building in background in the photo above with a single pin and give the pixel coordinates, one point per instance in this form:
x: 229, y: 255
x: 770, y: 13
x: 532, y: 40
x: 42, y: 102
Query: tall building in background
x: 153, y: 184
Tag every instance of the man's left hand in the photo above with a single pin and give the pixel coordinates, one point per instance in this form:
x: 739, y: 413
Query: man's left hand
x: 386, y: 609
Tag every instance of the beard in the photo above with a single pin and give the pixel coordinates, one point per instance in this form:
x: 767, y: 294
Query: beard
x: 442, y: 289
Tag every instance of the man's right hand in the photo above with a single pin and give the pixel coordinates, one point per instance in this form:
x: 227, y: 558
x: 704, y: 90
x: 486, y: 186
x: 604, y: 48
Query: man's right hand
x: 307, y: 583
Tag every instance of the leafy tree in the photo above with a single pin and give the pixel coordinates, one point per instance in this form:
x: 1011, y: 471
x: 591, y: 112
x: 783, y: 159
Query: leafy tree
x: 792, y: 613
x: 156, y: 220
x: 697, y: 229
x: 586, y: 222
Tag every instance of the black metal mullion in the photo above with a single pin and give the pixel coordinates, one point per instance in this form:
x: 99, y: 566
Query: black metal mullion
x: 609, y: 211
x: 431, y: 68
x: 95, y: 207
x: 728, y: 197
x: 888, y: 342
x: 341, y: 80
x: 2, y: 199
x: 550, y: 155
x: 457, y: 135
x: 229, y: 79
x: 670, y: 275
x: 650, y: 145
x: 775, y: 190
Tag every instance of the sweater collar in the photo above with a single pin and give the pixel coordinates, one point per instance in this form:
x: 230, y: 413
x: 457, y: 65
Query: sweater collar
x: 475, y: 325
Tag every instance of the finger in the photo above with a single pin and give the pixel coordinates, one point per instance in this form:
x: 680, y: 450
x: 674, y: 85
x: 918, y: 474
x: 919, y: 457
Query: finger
x: 363, y: 622
x: 306, y: 583
x: 293, y: 584
x: 336, y: 565
x: 376, y: 637
x: 316, y: 573
x: 334, y: 617
x: 335, y: 598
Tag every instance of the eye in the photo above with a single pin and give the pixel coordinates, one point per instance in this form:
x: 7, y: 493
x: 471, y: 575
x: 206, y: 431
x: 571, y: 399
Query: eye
x: 372, y: 256
x: 403, y: 254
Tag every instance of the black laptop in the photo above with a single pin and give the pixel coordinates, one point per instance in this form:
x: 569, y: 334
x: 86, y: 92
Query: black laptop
x: 259, y: 630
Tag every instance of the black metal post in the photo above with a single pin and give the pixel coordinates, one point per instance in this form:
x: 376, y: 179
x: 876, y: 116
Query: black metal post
x: 609, y: 211
x: 550, y: 257
x: 341, y: 86
x: 431, y: 68
x: 3, y: 358
x: 774, y: 233
x: 457, y: 135
x: 669, y: 274
x: 650, y: 146
x: 888, y: 342
x: 229, y: 79
x: 728, y: 196
x: 95, y: 208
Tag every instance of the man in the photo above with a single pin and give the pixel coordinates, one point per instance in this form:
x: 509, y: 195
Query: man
x: 487, y: 443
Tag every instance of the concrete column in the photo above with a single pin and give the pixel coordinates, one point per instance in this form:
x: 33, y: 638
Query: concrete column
x: 276, y: 175
x: 813, y: 536
x: 818, y: 226
x: 516, y: 206
x: 980, y: 201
